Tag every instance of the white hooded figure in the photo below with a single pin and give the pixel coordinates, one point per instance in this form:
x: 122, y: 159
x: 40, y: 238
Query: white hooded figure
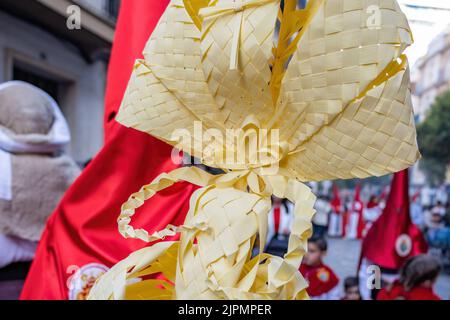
x: 34, y: 170
x: 441, y: 195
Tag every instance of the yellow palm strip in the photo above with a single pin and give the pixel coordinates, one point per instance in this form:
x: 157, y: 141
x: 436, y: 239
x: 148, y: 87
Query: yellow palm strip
x: 394, y: 67
x: 263, y: 278
x: 292, y: 23
x: 193, y: 7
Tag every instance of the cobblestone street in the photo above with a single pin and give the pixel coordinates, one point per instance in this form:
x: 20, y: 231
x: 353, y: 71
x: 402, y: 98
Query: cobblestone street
x: 343, y: 258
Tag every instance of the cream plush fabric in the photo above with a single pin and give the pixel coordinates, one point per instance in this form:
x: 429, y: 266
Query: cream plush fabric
x: 35, y: 170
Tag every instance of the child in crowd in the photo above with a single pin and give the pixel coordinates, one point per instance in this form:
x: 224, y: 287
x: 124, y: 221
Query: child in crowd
x: 323, y: 282
x: 416, y: 281
x: 351, y: 289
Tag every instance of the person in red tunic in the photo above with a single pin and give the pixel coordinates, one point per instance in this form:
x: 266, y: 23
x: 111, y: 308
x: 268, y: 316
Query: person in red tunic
x: 335, y: 223
x: 416, y: 281
x: 323, y: 282
x: 355, y: 224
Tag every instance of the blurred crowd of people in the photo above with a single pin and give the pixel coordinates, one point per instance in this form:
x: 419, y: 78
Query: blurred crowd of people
x: 352, y: 219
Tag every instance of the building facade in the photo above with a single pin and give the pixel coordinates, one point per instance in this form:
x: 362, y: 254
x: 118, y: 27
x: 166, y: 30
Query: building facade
x: 432, y: 78
x: 426, y: 18
x: 427, y: 56
x: 432, y: 74
x: 38, y: 46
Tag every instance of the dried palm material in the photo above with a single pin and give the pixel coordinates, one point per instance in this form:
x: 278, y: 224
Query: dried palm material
x: 330, y: 99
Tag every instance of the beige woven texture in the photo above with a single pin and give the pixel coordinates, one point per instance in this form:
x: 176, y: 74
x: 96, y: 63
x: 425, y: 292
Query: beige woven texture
x: 338, y: 59
x: 214, y: 256
x: 331, y: 80
x: 338, y: 123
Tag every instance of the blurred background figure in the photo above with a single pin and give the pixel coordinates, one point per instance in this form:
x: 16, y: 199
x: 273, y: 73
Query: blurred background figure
x: 279, y: 226
x: 383, y: 197
x: 355, y: 223
x: 437, y: 231
x: 439, y: 209
x: 417, y: 212
x: 335, y: 222
x: 323, y: 282
x: 427, y: 196
x: 371, y: 213
x: 435, y: 217
x: 417, y: 278
x: 72, y: 251
x: 442, y: 196
x: 320, y: 219
x: 351, y: 289
x: 35, y: 173
x: 391, y: 240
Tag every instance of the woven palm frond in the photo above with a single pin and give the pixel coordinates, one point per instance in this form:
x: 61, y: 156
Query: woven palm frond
x: 329, y: 57
x: 333, y: 83
x: 343, y: 102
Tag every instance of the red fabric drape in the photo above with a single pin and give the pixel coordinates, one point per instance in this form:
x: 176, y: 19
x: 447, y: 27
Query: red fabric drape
x: 393, y: 237
x: 83, y: 229
x: 137, y: 19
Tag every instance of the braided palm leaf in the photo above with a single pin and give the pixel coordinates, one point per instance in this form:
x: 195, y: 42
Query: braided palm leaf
x: 332, y: 82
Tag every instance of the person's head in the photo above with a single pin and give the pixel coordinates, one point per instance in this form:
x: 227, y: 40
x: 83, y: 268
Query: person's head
x: 25, y: 110
x: 439, y: 204
x: 351, y: 288
x: 317, y: 248
x: 436, y: 217
x: 373, y: 198
x: 421, y: 270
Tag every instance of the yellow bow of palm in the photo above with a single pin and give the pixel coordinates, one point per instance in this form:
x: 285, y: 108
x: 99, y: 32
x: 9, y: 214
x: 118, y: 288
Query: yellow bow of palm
x: 306, y: 95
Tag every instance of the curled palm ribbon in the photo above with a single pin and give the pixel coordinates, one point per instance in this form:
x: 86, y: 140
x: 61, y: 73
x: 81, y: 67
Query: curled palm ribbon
x: 214, y: 253
x: 323, y: 96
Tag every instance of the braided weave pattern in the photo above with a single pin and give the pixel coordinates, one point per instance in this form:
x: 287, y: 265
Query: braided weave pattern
x: 342, y: 61
x: 339, y: 98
